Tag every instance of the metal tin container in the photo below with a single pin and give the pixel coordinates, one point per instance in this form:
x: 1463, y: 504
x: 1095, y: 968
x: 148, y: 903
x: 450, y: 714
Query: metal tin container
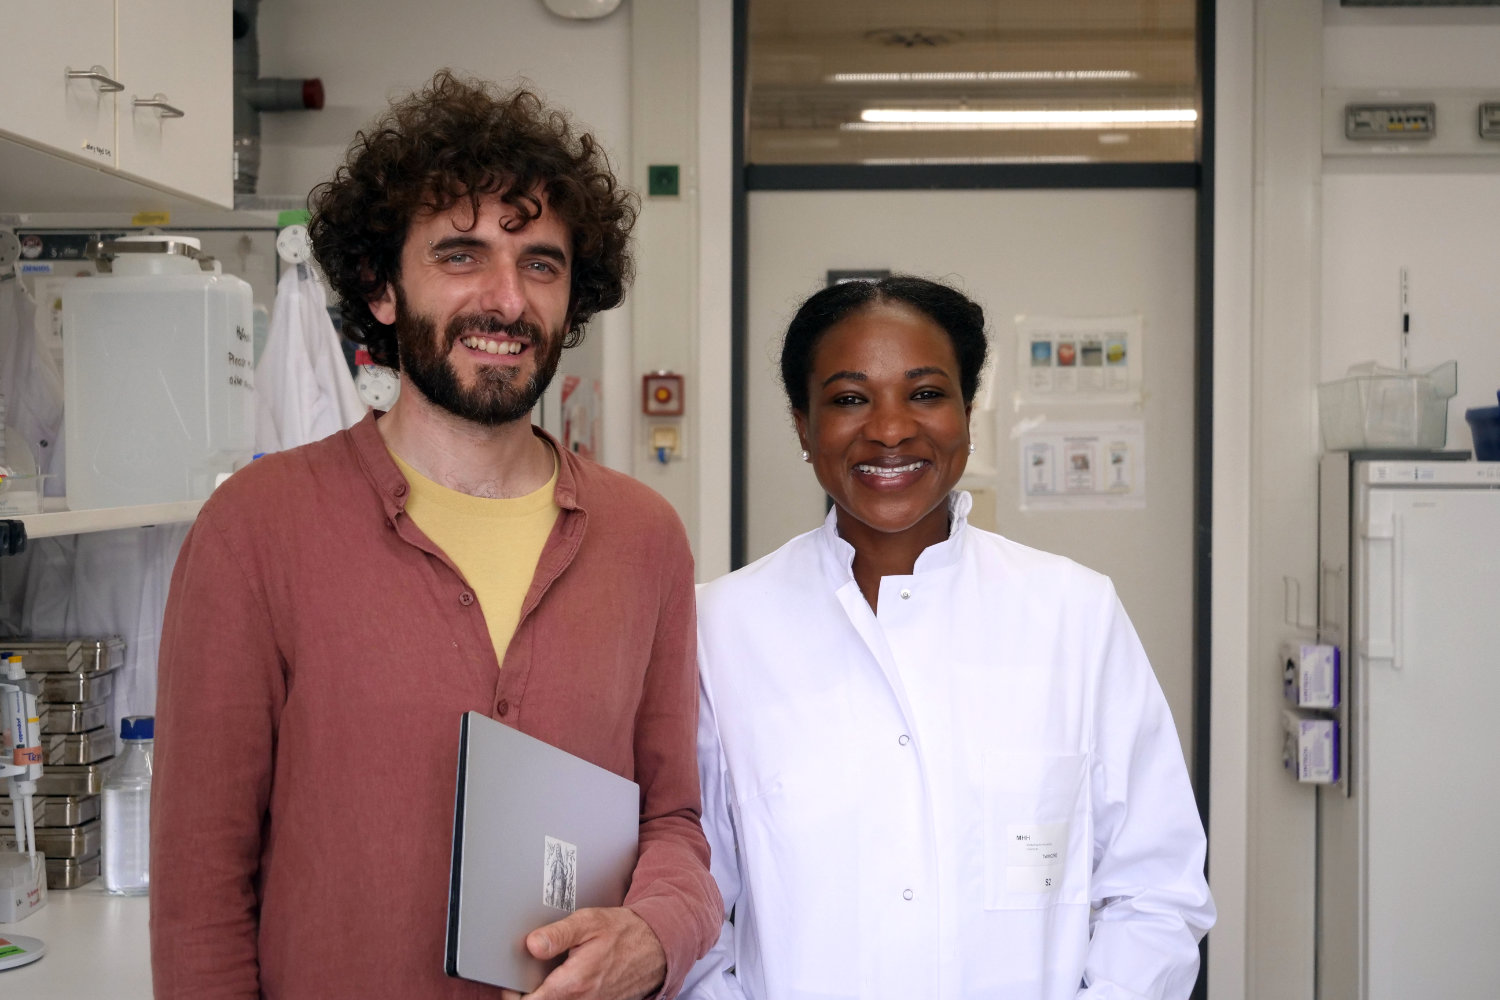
x: 70, y: 718
x: 70, y: 873
x: 79, y: 689
x: 56, y: 810
x: 73, y: 779
x: 68, y: 656
x: 61, y: 841
x: 79, y: 748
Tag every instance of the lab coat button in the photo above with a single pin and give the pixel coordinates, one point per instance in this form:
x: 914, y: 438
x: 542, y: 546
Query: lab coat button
x: 502, y: 708
x: 903, y: 739
x: 906, y: 595
x: 907, y: 894
x: 466, y: 598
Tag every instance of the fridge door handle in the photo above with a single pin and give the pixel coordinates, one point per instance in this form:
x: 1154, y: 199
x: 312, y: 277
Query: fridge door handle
x: 1378, y: 588
x: 1398, y: 560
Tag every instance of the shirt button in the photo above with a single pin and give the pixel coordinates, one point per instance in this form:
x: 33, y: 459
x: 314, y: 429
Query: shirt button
x: 466, y: 598
x: 502, y: 708
x: 906, y: 595
x: 400, y: 490
x: 907, y: 894
x: 903, y: 739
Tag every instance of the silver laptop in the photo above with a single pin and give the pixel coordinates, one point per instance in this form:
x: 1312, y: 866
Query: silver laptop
x: 537, y: 833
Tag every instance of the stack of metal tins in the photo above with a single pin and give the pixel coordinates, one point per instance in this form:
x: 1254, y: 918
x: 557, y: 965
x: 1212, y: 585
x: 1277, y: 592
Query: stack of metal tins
x: 79, y: 741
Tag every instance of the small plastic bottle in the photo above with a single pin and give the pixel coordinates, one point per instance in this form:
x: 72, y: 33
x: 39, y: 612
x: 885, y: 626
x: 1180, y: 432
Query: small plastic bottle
x: 127, y: 810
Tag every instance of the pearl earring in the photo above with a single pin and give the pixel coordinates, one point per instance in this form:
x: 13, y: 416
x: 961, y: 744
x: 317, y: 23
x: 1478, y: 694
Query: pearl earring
x: 805, y: 456
x: 971, y: 447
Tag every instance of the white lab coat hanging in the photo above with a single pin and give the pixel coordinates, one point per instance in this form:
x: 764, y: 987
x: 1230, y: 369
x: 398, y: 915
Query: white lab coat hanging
x: 304, y: 389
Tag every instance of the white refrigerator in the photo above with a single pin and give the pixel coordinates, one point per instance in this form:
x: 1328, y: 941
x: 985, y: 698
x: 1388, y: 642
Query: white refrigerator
x: 1408, y: 894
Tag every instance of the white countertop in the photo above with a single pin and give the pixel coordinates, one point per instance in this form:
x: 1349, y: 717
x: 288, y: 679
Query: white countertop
x: 98, y: 945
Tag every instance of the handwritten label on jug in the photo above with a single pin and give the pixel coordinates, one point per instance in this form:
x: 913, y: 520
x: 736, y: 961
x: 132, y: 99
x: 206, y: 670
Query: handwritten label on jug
x: 241, y: 336
x: 244, y: 381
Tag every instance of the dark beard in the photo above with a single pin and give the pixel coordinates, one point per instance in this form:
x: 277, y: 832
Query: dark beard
x: 496, y: 398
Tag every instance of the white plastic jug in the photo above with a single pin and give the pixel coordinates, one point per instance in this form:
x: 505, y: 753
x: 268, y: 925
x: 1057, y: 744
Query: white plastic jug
x: 158, y: 375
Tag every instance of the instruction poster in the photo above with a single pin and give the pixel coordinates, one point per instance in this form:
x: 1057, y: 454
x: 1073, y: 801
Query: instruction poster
x: 1082, y: 466
x: 1079, y: 359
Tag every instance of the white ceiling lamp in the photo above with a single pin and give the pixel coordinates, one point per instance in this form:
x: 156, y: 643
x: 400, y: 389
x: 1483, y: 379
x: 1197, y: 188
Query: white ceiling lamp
x: 928, y: 161
x: 991, y: 76
x: 581, y: 10
x: 912, y: 119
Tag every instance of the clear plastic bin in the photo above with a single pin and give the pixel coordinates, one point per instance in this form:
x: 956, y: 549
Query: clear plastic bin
x: 1375, y: 407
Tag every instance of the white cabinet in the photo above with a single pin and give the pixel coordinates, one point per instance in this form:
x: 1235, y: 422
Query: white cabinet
x: 175, y: 121
x: 41, y: 45
x: 140, y: 89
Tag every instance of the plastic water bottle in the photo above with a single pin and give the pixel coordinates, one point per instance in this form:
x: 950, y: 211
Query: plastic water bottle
x: 127, y: 810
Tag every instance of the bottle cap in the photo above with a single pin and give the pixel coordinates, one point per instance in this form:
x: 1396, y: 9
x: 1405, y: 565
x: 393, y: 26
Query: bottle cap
x: 138, y: 727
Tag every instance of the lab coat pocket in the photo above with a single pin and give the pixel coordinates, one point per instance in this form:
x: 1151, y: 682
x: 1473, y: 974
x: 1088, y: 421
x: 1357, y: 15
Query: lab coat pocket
x: 1035, y: 830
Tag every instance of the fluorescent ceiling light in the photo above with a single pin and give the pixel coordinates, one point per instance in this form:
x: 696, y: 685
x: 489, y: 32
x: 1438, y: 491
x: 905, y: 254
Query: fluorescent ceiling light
x: 898, y: 119
x: 1100, y: 116
x: 991, y: 76
x: 967, y: 160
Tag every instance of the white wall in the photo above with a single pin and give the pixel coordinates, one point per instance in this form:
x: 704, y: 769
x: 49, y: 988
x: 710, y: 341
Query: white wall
x: 369, y: 51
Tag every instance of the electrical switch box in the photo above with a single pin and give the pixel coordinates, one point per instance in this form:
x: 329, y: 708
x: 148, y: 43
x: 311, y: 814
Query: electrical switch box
x: 1390, y: 121
x: 1489, y: 121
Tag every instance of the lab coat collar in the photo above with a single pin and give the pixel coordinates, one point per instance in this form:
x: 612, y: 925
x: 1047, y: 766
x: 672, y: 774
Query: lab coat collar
x: 839, y: 554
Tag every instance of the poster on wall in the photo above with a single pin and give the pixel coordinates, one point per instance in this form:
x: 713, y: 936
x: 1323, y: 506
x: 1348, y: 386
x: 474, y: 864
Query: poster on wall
x: 1083, y: 466
x: 580, y: 415
x: 1079, y: 359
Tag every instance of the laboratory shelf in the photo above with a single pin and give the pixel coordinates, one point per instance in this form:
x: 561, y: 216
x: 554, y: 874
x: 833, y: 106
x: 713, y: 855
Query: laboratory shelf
x: 77, y: 522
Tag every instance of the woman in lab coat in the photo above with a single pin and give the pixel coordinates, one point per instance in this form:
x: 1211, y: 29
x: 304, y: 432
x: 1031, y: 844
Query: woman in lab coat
x: 935, y: 762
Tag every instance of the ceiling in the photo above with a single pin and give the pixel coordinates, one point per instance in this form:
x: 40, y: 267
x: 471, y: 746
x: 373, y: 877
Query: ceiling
x: 816, y: 67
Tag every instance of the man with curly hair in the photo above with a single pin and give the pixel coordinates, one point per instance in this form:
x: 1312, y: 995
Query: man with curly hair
x: 337, y: 607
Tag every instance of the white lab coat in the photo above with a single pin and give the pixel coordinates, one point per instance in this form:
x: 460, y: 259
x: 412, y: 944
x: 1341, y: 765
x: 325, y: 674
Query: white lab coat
x: 303, y: 388
x: 32, y: 386
x: 977, y: 793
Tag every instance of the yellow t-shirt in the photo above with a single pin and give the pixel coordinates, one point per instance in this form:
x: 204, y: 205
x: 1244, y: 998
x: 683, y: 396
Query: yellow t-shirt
x: 494, y: 543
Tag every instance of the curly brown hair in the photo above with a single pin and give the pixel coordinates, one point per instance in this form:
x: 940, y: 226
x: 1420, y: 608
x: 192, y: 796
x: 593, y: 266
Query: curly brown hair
x: 461, y: 139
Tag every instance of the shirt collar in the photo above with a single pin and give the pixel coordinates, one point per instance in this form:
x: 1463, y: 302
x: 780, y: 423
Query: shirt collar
x: 391, y: 485
x: 839, y: 554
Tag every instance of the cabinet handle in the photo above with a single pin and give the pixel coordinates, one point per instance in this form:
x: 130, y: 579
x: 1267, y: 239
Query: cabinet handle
x: 159, y: 102
x: 99, y: 76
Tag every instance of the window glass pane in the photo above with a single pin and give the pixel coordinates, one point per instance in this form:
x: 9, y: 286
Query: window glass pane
x: 972, y: 81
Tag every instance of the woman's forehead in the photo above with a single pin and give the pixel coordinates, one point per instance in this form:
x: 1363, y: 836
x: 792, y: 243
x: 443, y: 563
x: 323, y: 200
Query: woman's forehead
x: 890, y: 331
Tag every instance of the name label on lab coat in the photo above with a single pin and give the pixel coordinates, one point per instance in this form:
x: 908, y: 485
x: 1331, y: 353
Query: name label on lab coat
x: 1036, y: 854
